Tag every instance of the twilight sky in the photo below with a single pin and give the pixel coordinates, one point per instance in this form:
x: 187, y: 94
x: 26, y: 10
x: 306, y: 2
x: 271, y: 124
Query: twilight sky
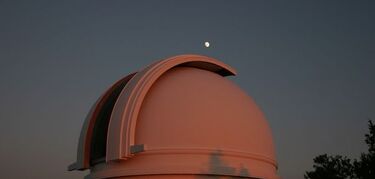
x: 309, y: 65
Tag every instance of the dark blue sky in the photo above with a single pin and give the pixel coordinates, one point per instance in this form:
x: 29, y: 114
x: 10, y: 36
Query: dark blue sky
x: 309, y: 65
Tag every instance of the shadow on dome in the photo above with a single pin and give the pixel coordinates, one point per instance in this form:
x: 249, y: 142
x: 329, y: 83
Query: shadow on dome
x: 220, y: 169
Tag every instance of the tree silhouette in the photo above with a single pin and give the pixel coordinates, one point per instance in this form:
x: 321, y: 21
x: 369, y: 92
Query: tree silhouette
x: 341, y: 167
x: 365, y: 167
x: 331, y: 167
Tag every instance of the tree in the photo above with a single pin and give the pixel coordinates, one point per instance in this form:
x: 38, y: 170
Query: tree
x: 341, y: 167
x: 330, y: 167
x: 365, y: 167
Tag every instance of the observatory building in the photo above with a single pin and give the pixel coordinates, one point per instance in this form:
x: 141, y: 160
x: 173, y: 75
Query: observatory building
x: 176, y: 118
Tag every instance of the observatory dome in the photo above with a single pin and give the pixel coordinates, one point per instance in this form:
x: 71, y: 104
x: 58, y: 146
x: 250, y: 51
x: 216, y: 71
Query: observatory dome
x: 177, y: 118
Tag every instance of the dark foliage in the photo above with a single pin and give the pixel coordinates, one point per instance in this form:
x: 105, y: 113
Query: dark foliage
x: 339, y: 167
x: 330, y: 167
x: 365, y: 167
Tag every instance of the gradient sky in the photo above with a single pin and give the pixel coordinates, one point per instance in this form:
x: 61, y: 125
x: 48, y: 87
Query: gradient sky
x: 309, y: 65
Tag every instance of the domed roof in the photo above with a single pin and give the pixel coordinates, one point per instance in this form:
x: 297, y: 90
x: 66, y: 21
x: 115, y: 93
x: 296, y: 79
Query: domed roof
x: 179, y: 116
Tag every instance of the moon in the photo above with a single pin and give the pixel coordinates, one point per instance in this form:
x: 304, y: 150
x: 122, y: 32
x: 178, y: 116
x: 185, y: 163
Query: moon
x: 207, y: 44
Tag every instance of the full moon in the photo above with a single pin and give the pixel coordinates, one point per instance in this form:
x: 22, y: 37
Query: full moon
x: 207, y: 44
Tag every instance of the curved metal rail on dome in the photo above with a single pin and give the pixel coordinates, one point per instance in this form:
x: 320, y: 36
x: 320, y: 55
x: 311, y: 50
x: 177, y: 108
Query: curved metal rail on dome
x: 121, y: 128
x: 85, y: 139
